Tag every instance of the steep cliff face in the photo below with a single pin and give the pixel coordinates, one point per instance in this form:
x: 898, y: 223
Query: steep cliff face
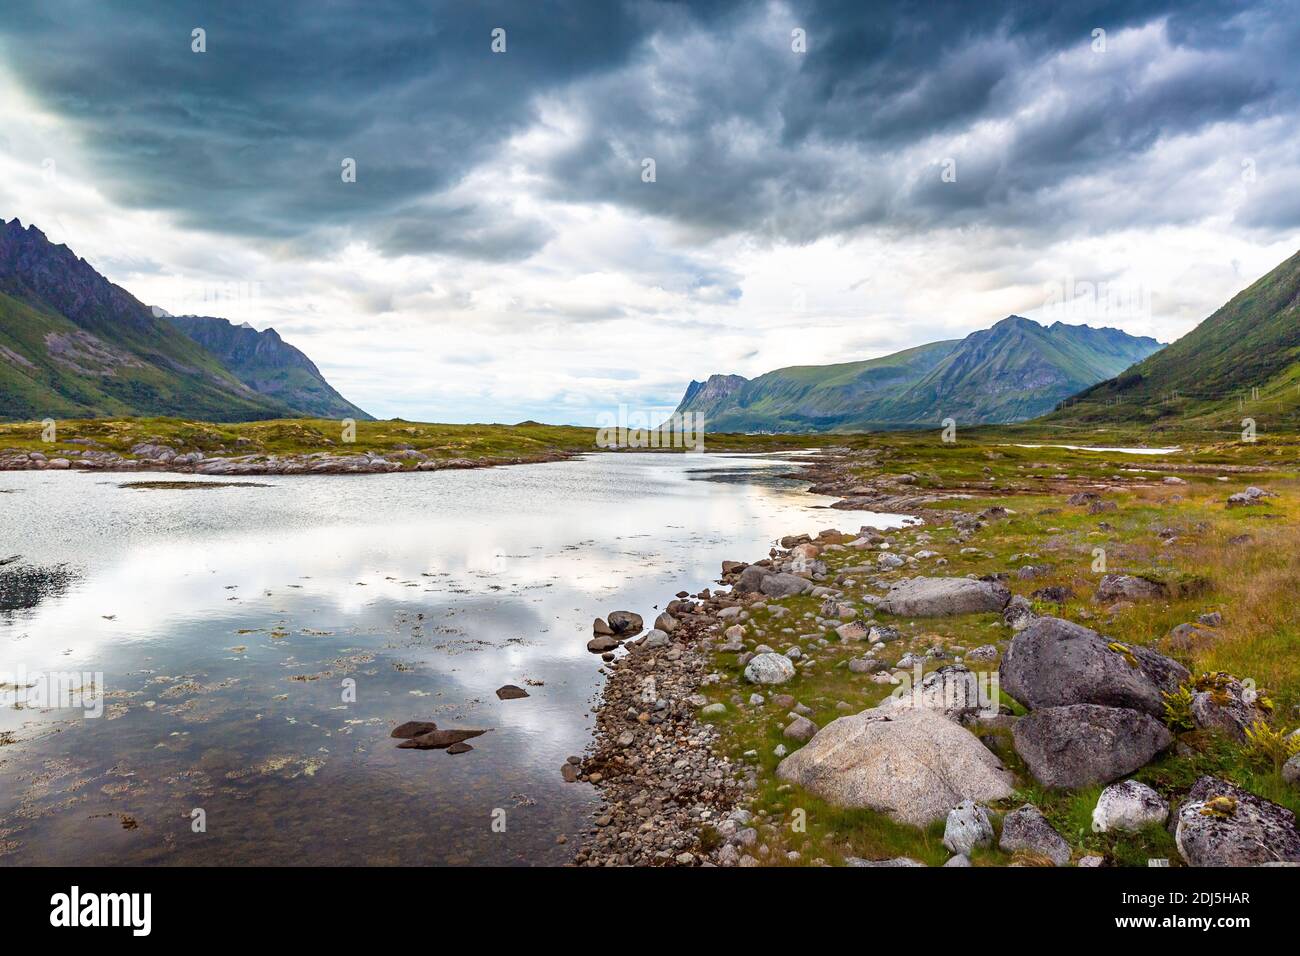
x: 266, y: 363
x: 704, y: 398
x: 73, y: 344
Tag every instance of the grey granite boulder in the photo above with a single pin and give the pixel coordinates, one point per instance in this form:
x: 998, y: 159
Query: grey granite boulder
x: 769, y: 669
x: 1220, y: 824
x: 784, y: 585
x: 1128, y: 805
x: 1027, y: 830
x: 1227, y: 705
x: 1054, y: 662
x: 913, y: 765
x: 1084, y: 744
x: 1129, y: 587
x: 967, y: 827
x: 941, y: 597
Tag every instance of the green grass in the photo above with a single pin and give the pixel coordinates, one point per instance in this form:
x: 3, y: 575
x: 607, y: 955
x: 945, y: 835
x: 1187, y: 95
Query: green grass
x: 306, y: 436
x: 1252, y: 583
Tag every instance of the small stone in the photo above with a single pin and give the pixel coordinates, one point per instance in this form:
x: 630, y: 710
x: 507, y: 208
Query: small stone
x: 968, y: 826
x: 801, y: 729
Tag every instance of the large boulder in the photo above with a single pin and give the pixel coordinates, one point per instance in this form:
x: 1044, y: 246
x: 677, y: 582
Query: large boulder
x: 626, y: 623
x: 751, y: 579
x: 784, y: 585
x: 769, y: 669
x: 941, y: 597
x: 1027, y: 831
x: 913, y: 765
x: 1220, y: 824
x: 1128, y: 805
x: 1054, y: 662
x: 1084, y: 744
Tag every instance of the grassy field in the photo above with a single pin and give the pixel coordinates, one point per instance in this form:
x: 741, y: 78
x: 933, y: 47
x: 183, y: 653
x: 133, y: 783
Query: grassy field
x: 1241, y: 562
x: 307, y: 436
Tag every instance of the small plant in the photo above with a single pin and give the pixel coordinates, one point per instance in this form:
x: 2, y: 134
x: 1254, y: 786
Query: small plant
x: 1270, y: 746
x: 1219, y: 807
x: 1178, y: 709
x: 1123, y: 651
x: 1218, y: 685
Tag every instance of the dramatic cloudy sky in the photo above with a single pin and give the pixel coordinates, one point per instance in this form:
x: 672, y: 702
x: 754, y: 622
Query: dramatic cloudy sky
x: 917, y: 172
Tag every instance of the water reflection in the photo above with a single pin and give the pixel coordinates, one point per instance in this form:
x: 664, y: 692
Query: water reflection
x: 258, y: 644
x: 22, y: 587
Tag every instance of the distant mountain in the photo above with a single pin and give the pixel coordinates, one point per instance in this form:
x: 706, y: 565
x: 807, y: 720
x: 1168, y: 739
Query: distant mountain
x: 74, y: 345
x: 269, y: 365
x: 1252, y: 342
x: 1013, y: 371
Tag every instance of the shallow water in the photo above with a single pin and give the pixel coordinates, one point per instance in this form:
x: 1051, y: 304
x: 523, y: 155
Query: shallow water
x: 230, y: 624
x: 1123, y: 451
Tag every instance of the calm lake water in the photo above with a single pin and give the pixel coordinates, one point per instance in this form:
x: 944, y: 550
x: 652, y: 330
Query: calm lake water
x: 229, y: 623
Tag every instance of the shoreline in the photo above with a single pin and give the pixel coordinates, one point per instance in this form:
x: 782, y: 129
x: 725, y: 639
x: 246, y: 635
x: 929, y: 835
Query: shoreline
x: 667, y: 799
x: 317, y: 463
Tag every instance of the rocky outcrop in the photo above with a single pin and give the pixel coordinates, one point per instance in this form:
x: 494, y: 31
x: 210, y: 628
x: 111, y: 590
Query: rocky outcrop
x: 913, y: 765
x: 1084, y: 744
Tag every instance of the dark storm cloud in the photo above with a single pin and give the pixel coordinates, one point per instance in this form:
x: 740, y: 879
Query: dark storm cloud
x: 249, y: 137
x: 856, y: 131
x: 748, y: 137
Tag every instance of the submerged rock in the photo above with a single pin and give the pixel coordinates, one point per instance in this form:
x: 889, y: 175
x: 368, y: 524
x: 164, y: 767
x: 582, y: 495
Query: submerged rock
x: 511, y: 692
x: 413, y: 728
x: 439, y: 739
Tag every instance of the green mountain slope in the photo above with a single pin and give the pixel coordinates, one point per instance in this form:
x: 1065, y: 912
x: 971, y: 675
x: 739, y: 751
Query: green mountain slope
x: 1013, y: 371
x: 1211, y: 374
x: 73, y: 344
x: 805, y: 398
x: 269, y: 365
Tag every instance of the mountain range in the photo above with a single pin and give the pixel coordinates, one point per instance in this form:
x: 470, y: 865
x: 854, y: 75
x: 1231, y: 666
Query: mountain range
x: 74, y: 345
x: 1016, y: 370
